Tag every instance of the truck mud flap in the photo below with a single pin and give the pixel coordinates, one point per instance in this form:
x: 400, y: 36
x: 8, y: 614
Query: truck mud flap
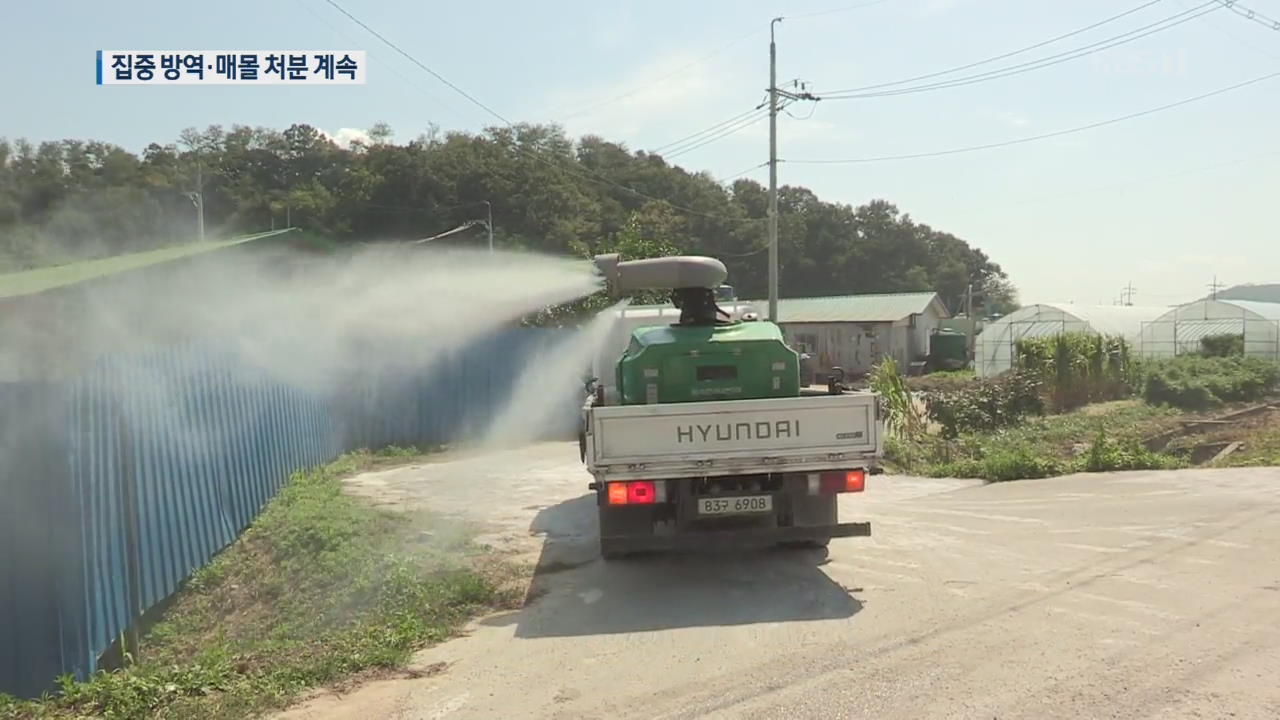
x: 725, y: 539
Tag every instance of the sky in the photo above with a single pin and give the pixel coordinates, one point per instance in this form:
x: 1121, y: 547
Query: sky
x: 1165, y: 202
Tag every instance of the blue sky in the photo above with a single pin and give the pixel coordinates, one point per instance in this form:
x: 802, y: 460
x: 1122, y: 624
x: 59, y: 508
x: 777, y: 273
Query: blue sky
x: 1165, y: 201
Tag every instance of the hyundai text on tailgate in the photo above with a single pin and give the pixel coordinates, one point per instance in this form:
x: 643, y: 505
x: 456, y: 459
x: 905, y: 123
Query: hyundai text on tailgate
x: 707, y: 438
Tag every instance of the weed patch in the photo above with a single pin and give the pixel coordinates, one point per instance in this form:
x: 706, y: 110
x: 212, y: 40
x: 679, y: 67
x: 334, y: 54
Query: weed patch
x: 1094, y: 438
x: 1261, y: 446
x: 1194, y: 382
x: 986, y: 405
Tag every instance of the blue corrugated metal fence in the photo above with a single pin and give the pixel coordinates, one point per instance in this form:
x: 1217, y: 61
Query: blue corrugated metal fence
x: 123, y: 482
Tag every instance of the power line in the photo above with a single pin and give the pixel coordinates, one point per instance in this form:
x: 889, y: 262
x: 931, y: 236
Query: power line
x: 1050, y: 60
x: 589, y: 175
x: 306, y: 6
x: 663, y: 78
x: 740, y: 173
x: 1004, y: 56
x: 706, y: 131
x: 726, y: 133
x: 757, y: 251
x: 1044, y: 136
x: 720, y: 130
x: 1250, y: 14
x: 1237, y: 38
x: 423, y: 208
x: 415, y: 61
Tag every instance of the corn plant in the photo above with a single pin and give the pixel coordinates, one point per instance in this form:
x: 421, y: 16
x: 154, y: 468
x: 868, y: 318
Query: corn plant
x: 903, y: 418
x: 1078, y: 368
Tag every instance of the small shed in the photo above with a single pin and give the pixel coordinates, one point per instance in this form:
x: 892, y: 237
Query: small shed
x: 997, y: 344
x: 1179, y: 330
x: 854, y: 332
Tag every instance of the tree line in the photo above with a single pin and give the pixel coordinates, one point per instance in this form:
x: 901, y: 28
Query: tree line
x: 72, y: 199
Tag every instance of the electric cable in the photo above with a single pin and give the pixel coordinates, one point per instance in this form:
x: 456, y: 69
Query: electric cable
x: 1043, y: 136
x: 1047, y: 61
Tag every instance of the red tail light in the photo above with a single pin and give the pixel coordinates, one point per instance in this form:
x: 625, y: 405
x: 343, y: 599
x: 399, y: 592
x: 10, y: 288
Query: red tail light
x: 636, y: 492
x: 640, y: 492
x: 840, y: 482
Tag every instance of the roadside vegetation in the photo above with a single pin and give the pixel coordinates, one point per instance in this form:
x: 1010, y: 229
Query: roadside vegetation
x: 941, y: 380
x: 321, y: 588
x: 1080, y: 403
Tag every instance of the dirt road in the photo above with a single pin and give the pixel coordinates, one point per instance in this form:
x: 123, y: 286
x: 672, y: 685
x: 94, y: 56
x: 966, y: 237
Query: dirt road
x: 1140, y: 595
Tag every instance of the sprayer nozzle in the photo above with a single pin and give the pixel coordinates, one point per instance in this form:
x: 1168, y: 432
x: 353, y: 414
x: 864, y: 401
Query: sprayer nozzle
x: 608, y: 267
x: 664, y: 273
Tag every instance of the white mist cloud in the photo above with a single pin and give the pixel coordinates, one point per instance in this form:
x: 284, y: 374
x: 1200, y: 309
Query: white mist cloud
x: 536, y: 405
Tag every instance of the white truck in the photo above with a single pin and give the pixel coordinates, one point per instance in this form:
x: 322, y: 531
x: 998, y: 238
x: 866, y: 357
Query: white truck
x: 766, y: 464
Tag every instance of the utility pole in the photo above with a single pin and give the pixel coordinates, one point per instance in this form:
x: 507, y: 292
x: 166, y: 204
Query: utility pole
x: 773, y: 173
x: 774, y: 94
x: 1214, y: 287
x: 1126, y: 295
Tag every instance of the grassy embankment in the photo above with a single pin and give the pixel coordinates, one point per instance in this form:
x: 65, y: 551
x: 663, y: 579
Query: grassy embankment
x: 321, y: 588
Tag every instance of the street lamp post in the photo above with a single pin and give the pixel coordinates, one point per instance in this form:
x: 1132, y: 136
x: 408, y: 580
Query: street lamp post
x: 489, y: 223
x: 197, y: 201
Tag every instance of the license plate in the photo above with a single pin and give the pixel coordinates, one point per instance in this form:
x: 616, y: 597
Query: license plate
x: 735, y: 505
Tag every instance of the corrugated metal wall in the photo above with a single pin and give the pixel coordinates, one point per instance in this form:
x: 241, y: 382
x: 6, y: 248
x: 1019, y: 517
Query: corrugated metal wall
x: 122, y: 483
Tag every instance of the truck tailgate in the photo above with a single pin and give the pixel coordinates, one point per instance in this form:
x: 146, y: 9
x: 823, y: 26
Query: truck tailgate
x: 723, y: 437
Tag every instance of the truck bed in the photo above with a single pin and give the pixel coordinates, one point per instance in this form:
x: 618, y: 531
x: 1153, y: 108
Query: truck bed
x: 731, y: 436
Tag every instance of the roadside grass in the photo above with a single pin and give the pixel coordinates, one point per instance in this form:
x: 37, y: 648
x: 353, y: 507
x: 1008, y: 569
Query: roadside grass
x: 1095, y: 438
x: 321, y: 588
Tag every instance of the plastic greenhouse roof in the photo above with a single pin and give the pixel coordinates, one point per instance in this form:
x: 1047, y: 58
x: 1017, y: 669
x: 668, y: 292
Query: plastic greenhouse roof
x: 1263, y: 310
x: 1123, y: 320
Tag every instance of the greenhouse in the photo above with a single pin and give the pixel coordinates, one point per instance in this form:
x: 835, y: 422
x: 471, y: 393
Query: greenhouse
x: 1179, y: 330
x: 997, y: 344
